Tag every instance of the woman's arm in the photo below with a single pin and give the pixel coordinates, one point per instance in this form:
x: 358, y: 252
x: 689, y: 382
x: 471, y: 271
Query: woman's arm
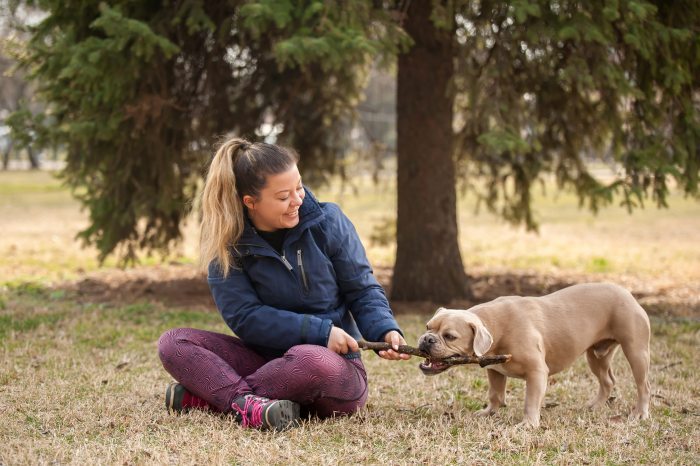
x: 363, y: 294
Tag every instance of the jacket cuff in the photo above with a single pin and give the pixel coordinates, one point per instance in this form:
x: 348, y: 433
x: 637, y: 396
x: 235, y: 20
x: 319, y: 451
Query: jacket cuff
x: 390, y: 330
x: 315, y: 331
x: 327, y: 333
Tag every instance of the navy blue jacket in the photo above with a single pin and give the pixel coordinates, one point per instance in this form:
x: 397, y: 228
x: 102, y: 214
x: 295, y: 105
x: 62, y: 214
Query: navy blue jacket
x: 273, y: 302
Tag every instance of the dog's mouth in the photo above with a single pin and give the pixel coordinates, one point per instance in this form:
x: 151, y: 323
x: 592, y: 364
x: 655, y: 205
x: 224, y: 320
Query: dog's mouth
x: 430, y: 367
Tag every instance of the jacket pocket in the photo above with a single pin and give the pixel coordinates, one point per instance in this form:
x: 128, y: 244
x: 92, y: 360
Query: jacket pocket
x: 302, y: 271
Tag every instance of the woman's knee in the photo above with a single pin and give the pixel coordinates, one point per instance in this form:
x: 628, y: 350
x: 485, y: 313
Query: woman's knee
x: 169, y: 340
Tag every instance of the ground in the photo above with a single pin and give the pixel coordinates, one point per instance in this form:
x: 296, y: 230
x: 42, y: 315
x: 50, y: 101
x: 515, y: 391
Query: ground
x: 80, y: 379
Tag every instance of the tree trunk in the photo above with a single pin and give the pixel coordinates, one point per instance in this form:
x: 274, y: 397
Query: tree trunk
x: 6, y: 155
x: 33, y: 160
x: 428, y: 261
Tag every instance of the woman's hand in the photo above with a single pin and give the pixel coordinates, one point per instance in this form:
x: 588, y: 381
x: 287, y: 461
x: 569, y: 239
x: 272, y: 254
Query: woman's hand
x: 395, y: 339
x: 340, y: 342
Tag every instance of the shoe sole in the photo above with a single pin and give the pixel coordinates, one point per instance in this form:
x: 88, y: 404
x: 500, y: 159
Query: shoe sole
x: 282, y: 415
x: 173, y: 397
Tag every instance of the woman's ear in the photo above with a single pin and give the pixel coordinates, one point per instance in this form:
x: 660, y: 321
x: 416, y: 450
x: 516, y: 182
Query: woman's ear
x: 482, y: 339
x: 249, y: 202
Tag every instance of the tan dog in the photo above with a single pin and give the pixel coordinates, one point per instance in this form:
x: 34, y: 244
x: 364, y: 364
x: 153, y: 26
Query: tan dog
x: 545, y: 335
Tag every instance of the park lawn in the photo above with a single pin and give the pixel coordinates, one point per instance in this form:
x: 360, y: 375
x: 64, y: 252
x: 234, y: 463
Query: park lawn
x: 80, y: 380
x: 81, y: 383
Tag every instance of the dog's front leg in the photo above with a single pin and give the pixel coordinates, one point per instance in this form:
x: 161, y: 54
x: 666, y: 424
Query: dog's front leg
x: 497, y: 393
x: 535, y: 386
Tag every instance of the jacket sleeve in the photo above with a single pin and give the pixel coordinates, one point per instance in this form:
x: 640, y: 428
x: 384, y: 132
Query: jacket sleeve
x: 258, y: 324
x: 363, y: 294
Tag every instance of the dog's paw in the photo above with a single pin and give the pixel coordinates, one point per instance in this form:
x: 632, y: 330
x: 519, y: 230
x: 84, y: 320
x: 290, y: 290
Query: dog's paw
x: 487, y: 411
x: 638, y: 414
x: 529, y: 424
x: 596, y: 403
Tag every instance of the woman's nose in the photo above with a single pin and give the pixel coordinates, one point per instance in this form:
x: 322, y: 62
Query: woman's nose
x: 297, y: 199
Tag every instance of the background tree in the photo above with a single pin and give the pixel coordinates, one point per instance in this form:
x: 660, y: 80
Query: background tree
x: 428, y: 261
x: 539, y: 88
x: 502, y: 94
x: 139, y: 91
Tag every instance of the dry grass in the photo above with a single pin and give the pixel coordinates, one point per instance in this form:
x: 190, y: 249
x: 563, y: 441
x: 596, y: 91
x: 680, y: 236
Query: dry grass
x: 80, y: 381
x: 82, y: 384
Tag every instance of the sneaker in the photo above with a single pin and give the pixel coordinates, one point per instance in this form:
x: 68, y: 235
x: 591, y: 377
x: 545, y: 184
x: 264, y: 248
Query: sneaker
x: 179, y: 400
x: 263, y: 413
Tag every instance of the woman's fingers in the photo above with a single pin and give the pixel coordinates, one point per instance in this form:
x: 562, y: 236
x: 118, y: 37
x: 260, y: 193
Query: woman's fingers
x: 341, y: 342
x: 352, y: 344
x: 395, y: 339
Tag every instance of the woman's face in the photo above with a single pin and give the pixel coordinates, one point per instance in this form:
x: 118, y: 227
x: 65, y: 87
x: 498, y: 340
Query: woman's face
x: 278, y: 204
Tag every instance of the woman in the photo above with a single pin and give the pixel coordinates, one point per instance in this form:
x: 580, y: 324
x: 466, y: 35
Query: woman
x: 291, y: 279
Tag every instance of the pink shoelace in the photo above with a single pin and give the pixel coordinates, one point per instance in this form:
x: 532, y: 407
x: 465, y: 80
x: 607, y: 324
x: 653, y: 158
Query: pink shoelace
x: 251, y: 413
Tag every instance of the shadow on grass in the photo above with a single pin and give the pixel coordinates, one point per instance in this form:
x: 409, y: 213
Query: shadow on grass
x: 169, y: 285
x: 185, y: 286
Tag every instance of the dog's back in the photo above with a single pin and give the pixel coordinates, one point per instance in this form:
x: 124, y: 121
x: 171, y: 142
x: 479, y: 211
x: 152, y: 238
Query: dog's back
x: 567, y: 322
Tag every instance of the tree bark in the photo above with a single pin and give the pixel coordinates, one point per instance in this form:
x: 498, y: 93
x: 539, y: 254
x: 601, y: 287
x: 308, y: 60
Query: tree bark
x: 428, y: 261
x: 6, y: 155
x: 33, y: 160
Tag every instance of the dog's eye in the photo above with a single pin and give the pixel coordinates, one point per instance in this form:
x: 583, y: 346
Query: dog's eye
x: 450, y: 337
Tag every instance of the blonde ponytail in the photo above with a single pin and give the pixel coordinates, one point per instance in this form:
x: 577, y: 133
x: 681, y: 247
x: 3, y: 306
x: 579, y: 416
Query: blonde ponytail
x: 222, y: 210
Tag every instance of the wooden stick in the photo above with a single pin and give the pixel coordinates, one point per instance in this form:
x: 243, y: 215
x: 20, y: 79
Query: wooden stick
x: 381, y: 346
x: 483, y: 361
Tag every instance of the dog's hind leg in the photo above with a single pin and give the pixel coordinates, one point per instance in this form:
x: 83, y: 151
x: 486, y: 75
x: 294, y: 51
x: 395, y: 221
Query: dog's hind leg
x: 638, y: 357
x: 497, y: 393
x: 599, y: 359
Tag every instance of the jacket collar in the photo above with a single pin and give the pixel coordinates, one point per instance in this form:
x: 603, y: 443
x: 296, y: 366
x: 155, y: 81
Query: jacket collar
x: 310, y: 214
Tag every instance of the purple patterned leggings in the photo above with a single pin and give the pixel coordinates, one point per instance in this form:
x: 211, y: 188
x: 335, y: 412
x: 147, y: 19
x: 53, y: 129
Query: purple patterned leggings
x: 219, y: 368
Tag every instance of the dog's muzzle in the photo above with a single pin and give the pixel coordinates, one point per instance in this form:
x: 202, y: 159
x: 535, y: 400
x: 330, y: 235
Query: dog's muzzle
x: 426, y: 342
x: 428, y: 367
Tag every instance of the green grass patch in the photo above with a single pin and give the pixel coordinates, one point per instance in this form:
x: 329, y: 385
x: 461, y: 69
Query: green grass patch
x: 146, y: 313
x: 9, y: 323
x: 28, y: 182
x: 26, y: 288
x: 599, y: 265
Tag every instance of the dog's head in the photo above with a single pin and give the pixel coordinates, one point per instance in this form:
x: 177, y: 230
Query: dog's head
x: 452, y: 332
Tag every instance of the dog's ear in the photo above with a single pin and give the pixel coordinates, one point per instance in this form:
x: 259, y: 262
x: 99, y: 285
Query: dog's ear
x: 439, y: 311
x: 482, y: 339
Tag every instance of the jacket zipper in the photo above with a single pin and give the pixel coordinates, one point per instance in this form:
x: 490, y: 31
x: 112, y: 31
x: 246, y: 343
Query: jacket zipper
x: 281, y: 256
x: 300, y: 262
x: 286, y: 262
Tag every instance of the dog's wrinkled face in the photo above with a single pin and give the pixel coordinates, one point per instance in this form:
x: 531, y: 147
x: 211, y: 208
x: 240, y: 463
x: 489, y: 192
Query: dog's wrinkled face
x: 452, y: 332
